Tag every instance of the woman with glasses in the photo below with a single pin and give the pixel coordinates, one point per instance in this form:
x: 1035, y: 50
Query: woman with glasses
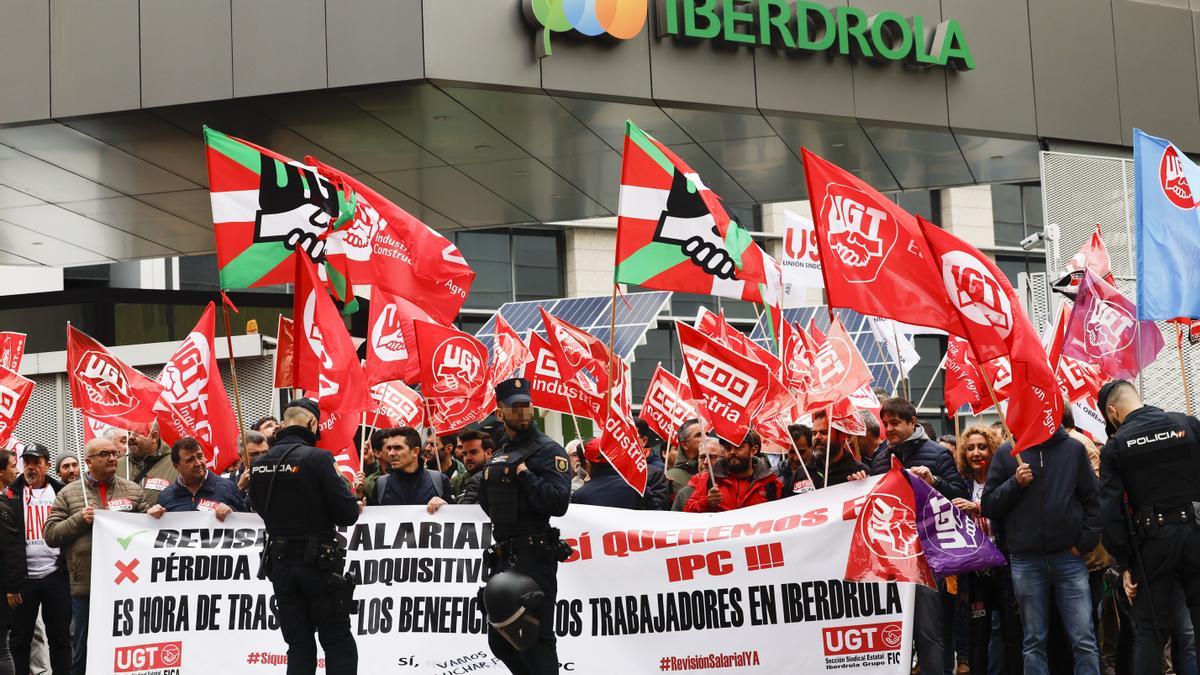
x: 986, y: 592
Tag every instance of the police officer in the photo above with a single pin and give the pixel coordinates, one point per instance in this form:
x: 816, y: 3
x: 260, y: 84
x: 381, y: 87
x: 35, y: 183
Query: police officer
x: 297, y: 490
x: 525, y: 483
x: 1153, y: 458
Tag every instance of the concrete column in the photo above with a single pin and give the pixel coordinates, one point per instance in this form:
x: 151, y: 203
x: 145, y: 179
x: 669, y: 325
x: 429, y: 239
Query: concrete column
x: 967, y: 214
x: 589, y: 261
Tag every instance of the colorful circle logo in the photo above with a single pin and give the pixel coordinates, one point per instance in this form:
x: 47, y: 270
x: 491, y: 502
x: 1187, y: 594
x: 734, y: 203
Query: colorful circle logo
x: 619, y: 19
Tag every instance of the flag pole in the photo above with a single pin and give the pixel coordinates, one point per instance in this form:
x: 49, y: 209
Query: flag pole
x: 828, y: 441
x: 79, y: 454
x: 612, y: 332
x: 1187, y: 388
x: 899, y: 365
x: 804, y: 466
x: 237, y: 397
x: 941, y: 364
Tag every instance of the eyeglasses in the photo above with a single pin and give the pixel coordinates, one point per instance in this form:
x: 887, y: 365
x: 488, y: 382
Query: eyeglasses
x: 105, y: 454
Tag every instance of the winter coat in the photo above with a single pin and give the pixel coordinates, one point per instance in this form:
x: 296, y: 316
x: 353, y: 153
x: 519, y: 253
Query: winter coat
x: 1059, y: 509
x: 920, y: 450
x: 762, y: 486
x: 66, y: 529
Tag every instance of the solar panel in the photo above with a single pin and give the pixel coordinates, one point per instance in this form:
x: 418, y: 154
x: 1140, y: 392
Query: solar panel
x: 636, y: 313
x: 883, y: 369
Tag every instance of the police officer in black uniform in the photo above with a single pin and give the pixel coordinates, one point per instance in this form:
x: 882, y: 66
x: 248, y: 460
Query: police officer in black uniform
x: 297, y: 490
x: 1152, y: 460
x: 526, y: 482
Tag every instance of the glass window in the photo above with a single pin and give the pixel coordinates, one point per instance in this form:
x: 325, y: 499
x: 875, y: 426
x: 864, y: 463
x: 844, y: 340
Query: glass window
x: 198, y: 273
x: 488, y: 254
x: 46, y: 328
x: 659, y: 348
x: 924, y: 203
x: 930, y: 348
x: 536, y: 267
x: 1008, y: 215
x: 1012, y: 265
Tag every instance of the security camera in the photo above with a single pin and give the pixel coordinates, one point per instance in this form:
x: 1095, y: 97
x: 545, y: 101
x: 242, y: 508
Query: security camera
x: 1032, y: 240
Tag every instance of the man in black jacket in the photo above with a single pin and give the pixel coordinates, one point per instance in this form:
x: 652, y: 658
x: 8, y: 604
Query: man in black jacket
x: 932, y: 463
x: 1152, y: 458
x: 1045, y: 510
x: 302, y: 498
x: 526, y: 483
x: 31, y: 496
x: 606, y: 487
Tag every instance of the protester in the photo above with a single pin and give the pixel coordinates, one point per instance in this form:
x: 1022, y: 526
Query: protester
x: 1045, y: 509
x: 736, y: 480
x: 69, y: 528
x: 255, y: 445
x: 8, y: 469
x: 606, y: 487
x: 651, y: 443
x: 46, y: 588
x: 441, y: 457
x: 681, y: 472
x: 197, y: 488
x: 843, y: 464
x: 12, y: 576
x: 67, y: 468
x: 477, y: 451
x: 148, y: 463
x: 364, y: 482
x: 797, y: 466
x: 574, y: 450
x: 988, y: 592
x: 267, y: 426
x: 868, y: 445
x: 949, y: 442
x: 406, y: 482
x: 908, y: 441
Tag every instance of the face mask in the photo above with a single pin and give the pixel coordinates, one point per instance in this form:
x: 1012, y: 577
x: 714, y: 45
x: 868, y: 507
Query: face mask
x: 316, y: 432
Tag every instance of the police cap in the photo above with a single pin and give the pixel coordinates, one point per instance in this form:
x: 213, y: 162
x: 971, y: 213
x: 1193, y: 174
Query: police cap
x: 513, y: 391
x: 307, y: 404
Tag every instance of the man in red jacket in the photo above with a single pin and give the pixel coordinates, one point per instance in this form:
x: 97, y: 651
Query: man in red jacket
x: 740, y: 479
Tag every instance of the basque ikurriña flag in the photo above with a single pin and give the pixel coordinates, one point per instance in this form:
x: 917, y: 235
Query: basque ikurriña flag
x: 1168, y: 230
x: 674, y: 234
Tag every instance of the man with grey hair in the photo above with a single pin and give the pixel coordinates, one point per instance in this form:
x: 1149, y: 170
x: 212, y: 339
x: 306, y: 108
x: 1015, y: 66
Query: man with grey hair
x: 148, y: 463
x: 868, y: 445
x: 256, y: 444
x: 69, y: 528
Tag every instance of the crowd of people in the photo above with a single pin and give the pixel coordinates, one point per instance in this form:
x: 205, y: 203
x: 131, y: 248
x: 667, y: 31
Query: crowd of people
x: 1057, y: 606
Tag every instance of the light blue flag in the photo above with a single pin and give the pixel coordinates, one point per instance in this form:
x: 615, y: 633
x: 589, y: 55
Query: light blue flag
x: 1168, y: 230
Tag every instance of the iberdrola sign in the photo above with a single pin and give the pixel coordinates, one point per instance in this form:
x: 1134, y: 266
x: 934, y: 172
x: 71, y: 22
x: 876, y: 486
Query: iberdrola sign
x: 797, y: 25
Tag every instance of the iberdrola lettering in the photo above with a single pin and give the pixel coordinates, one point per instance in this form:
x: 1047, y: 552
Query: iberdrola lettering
x: 803, y: 25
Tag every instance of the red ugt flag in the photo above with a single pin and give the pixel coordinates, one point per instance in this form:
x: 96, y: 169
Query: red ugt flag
x: 579, y: 354
x: 391, y: 342
x: 509, y: 353
x: 388, y: 248
x: 283, y: 353
x: 1104, y: 330
x: 325, y: 361
x: 453, y: 376
x: 995, y: 325
x: 838, y: 368
x: 12, y: 348
x: 14, y: 395
x: 105, y: 388
x: 873, y: 256
x: 194, y: 400
x: 885, y: 546
x: 730, y: 386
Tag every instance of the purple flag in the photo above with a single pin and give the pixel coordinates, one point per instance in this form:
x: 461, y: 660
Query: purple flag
x: 1104, y: 330
x: 952, y: 541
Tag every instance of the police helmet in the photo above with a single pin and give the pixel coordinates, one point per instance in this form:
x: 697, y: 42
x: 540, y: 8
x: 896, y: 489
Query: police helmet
x: 512, y: 601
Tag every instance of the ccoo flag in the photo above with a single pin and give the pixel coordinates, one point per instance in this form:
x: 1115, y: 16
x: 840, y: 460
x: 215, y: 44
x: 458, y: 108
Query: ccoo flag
x: 1168, y: 230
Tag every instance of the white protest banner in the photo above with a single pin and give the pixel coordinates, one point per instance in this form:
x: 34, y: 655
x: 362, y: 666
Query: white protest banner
x: 758, y: 590
x: 801, y: 259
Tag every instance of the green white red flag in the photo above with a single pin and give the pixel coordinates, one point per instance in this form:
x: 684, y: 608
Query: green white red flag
x: 674, y: 234
x: 265, y: 208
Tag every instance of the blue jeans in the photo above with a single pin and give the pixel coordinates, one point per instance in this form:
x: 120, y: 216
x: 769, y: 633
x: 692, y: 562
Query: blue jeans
x: 79, y: 634
x: 1184, y: 652
x: 1034, y: 576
